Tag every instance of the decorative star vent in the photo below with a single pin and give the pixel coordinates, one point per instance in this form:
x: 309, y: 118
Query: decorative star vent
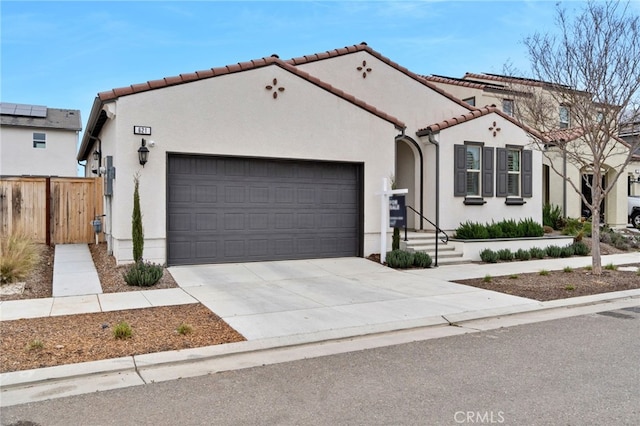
x: 274, y: 87
x: 494, y: 129
x: 364, y: 69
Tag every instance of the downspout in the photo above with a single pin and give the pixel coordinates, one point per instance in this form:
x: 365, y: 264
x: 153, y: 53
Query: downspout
x: 433, y: 141
x: 564, y: 183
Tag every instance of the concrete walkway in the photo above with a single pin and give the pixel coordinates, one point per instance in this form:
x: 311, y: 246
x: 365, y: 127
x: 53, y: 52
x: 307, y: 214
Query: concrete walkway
x: 74, y: 273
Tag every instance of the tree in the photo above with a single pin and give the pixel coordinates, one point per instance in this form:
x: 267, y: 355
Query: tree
x: 137, y: 234
x: 593, y: 72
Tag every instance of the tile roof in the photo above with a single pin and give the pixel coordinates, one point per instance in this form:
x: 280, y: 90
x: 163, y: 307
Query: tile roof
x: 472, y: 115
x: 240, y: 67
x: 518, y: 80
x: 482, y: 85
x: 363, y: 47
x: 110, y: 95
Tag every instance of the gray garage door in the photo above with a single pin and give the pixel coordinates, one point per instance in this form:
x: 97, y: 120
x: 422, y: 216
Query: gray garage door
x: 229, y: 209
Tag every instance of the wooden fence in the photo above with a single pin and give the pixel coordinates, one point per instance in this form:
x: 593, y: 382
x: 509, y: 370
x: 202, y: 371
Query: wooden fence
x: 52, y: 210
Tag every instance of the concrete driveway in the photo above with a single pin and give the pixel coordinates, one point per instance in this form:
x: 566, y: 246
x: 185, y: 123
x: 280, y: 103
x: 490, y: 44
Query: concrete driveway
x: 334, y: 297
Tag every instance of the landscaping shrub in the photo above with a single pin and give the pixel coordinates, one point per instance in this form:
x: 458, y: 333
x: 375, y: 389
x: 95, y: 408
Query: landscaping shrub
x: 510, y: 229
x: 472, y: 231
x: 422, y: 260
x: 495, y: 230
x: 537, y: 252
x: 523, y: 254
x: 505, y: 254
x: 552, y: 216
x: 580, y: 249
x: 572, y: 227
x: 18, y: 256
x: 399, y: 259
x: 567, y: 251
x: 530, y: 228
x: 395, y: 242
x: 554, y: 251
x: 137, y: 234
x: 488, y: 256
x: 143, y: 274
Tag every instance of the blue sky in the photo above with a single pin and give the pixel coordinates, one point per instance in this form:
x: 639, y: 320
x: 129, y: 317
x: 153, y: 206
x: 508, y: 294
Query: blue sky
x: 61, y: 54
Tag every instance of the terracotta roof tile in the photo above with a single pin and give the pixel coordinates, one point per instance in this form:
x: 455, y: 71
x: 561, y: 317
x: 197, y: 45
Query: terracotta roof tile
x: 364, y: 48
x: 436, y: 127
x: 113, y: 94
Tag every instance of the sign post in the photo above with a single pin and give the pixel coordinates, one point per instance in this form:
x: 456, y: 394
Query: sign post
x: 384, y: 215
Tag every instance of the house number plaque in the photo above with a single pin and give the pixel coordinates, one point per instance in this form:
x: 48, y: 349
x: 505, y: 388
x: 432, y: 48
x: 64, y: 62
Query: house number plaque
x: 142, y: 130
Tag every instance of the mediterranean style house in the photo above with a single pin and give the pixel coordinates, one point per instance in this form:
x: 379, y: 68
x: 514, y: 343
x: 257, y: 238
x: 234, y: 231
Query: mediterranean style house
x: 275, y: 159
x: 38, y: 141
x: 510, y: 94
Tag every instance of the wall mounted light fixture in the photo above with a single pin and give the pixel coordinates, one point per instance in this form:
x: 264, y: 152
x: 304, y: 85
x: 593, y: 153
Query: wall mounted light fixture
x: 143, y: 153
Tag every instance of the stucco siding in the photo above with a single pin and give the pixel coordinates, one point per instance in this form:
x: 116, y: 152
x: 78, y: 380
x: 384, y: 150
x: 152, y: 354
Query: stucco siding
x: 235, y: 115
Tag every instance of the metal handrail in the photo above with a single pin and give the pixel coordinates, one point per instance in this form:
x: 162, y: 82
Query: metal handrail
x: 444, y: 239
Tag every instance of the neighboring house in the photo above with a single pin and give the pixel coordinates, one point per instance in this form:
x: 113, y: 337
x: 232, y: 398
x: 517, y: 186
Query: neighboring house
x: 38, y: 141
x: 509, y: 94
x: 272, y: 159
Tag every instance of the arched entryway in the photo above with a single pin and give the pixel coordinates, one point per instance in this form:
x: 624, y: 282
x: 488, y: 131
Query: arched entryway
x: 409, y: 174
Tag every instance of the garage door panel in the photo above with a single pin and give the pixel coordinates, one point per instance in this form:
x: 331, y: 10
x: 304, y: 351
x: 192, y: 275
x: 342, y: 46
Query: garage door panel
x: 235, y: 209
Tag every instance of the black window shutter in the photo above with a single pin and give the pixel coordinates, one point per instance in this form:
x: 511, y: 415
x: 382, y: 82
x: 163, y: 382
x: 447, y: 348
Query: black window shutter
x: 502, y: 171
x: 527, y: 173
x: 487, y: 171
x: 459, y: 171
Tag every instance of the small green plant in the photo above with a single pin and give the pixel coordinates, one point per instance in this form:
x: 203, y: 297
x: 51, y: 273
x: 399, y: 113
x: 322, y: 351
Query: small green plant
x: 422, y: 260
x: 567, y: 269
x: 580, y: 249
x: 611, y: 267
x: 122, y: 330
x: 570, y: 287
x: 488, y: 256
x: 513, y: 276
x: 35, y: 344
x: 523, y: 254
x: 537, y: 252
x: 395, y: 241
x: 18, y: 256
x: 589, y: 267
x: 554, y: 251
x: 505, y: 254
x: 184, y: 329
x: 143, y: 274
x: 487, y: 278
x: 567, y: 251
x: 551, y: 216
x: 399, y: 259
x: 544, y: 272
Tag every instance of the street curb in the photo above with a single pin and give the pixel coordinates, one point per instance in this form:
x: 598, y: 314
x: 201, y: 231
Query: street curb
x: 146, y: 362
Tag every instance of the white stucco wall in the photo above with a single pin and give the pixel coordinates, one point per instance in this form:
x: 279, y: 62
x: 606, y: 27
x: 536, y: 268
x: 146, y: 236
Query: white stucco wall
x: 387, y: 89
x: 452, y: 209
x: 19, y: 157
x: 235, y: 115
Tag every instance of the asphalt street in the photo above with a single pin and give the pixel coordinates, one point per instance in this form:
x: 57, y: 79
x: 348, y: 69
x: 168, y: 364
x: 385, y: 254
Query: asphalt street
x: 582, y: 370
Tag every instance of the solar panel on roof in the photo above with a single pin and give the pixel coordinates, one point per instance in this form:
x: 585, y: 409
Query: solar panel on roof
x: 38, y: 111
x: 8, y: 108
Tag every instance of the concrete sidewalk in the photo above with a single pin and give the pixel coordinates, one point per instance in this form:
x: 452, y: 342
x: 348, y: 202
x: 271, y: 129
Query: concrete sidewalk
x: 74, y: 273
